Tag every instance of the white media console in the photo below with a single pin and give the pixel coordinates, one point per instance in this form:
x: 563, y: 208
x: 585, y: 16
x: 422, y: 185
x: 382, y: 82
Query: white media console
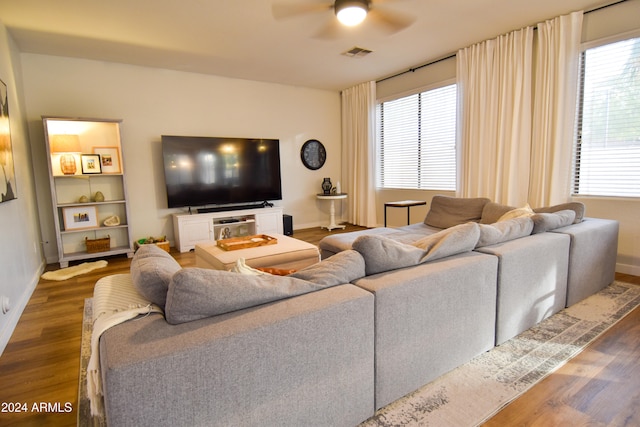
x: 190, y: 229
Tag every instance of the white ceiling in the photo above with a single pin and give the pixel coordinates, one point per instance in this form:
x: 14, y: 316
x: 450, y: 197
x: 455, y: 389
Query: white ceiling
x: 241, y: 38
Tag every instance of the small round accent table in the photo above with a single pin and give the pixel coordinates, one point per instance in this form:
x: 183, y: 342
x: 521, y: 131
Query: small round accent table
x: 332, y: 211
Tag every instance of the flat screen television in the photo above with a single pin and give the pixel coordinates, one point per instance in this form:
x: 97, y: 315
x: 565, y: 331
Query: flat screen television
x: 201, y: 171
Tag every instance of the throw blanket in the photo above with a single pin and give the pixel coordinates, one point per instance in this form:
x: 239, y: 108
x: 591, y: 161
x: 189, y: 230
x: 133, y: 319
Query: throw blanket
x: 115, y: 300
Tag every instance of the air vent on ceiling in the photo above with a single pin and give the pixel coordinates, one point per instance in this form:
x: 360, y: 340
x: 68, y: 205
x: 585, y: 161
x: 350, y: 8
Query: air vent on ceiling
x: 357, y: 52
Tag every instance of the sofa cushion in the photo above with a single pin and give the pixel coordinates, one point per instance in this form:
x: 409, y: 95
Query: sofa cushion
x: 577, y: 207
x: 524, y: 211
x: 454, y: 240
x: 492, y: 212
x: 197, y: 293
x: 151, y: 271
x: 503, y: 231
x: 550, y: 221
x: 381, y: 253
x: 343, y: 267
x: 448, y: 211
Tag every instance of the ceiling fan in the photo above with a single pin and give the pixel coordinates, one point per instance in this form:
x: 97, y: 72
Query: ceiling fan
x: 347, y: 13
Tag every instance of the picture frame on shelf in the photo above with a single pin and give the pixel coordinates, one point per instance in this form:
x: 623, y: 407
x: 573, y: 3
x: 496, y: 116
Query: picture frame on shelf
x: 91, y: 164
x: 109, y: 159
x: 80, y: 217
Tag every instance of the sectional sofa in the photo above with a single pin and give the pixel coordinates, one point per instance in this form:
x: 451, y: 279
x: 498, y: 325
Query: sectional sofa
x: 385, y: 312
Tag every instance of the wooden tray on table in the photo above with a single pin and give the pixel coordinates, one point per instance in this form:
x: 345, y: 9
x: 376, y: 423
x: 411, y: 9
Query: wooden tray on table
x: 246, y: 242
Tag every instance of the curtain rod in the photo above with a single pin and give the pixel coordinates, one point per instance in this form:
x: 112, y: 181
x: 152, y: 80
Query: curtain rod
x: 453, y: 55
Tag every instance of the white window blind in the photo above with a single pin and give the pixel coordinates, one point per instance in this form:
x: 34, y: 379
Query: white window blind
x: 416, y: 141
x: 607, y: 146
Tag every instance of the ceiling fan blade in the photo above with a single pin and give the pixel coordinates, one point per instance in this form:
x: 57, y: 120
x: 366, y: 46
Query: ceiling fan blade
x: 331, y: 30
x: 291, y: 10
x: 392, y: 21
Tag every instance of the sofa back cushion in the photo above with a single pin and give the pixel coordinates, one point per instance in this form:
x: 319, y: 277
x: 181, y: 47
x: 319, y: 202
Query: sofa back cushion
x: 151, y: 271
x: 198, y: 293
x: 503, y: 231
x: 448, y: 211
x: 550, y: 221
x: 454, y: 240
x: 577, y: 207
x: 381, y: 253
x: 492, y: 211
x: 343, y: 267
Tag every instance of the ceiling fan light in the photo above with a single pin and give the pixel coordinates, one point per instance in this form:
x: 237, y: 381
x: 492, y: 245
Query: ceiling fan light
x: 351, y: 13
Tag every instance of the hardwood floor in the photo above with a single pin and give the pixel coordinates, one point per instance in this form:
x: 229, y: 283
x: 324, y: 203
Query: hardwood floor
x: 599, y: 387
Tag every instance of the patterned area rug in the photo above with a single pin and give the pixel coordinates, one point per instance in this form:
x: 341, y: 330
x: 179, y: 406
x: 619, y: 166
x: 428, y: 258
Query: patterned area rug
x: 472, y: 393
x: 477, y: 390
x: 84, y: 406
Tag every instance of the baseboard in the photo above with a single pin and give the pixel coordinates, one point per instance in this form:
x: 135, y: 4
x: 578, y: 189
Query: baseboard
x: 633, y: 270
x: 17, y: 308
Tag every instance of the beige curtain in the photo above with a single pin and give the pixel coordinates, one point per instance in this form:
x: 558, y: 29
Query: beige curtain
x: 494, y: 134
x: 358, y: 153
x: 557, y: 56
x: 516, y: 120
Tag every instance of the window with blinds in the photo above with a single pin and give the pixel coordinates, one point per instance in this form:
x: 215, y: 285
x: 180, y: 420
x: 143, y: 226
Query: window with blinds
x: 607, y: 145
x: 416, y: 140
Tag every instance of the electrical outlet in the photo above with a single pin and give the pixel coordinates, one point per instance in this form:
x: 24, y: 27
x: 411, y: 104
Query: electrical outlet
x: 4, y: 302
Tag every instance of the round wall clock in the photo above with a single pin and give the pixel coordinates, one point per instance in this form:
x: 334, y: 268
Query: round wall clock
x: 313, y: 154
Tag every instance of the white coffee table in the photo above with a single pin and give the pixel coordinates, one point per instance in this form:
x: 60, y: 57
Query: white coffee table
x: 288, y: 253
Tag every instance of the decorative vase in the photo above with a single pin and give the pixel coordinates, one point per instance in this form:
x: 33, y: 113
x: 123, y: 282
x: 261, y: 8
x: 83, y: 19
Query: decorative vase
x: 326, y: 186
x: 68, y: 164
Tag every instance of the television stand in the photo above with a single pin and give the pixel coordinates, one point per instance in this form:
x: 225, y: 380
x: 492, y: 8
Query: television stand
x: 190, y: 229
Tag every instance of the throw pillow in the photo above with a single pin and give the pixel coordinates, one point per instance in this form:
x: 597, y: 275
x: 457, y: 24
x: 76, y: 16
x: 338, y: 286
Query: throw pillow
x: 577, y: 207
x: 241, y: 267
x: 454, y: 240
x: 151, y: 271
x: 524, y: 211
x: 198, y: 293
x: 503, y: 231
x: 492, y: 212
x: 343, y: 267
x: 550, y: 221
x: 448, y: 211
x: 381, y: 253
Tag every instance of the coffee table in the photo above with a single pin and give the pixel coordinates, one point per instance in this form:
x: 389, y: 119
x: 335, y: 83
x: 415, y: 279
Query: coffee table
x: 288, y: 253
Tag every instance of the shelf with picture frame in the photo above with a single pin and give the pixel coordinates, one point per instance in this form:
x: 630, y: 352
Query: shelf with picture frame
x: 88, y: 186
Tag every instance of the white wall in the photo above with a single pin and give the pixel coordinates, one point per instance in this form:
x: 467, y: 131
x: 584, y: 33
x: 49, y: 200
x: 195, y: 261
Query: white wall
x: 618, y: 19
x: 21, y: 261
x: 153, y: 102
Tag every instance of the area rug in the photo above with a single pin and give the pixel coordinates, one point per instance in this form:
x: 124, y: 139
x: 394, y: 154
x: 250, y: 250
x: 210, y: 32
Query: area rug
x: 84, y: 405
x: 76, y: 270
x: 475, y: 391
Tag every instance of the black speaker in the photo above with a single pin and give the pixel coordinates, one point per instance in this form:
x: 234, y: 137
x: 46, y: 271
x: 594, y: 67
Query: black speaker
x: 287, y: 225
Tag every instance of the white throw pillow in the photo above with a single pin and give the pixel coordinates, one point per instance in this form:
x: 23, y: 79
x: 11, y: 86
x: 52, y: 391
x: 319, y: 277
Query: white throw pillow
x: 524, y: 211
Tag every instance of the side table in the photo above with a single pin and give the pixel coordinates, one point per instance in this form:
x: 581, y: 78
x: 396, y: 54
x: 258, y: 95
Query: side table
x: 332, y: 211
x: 402, y: 204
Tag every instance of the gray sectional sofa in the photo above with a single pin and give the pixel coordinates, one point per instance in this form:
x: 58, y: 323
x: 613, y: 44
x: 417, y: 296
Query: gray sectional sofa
x: 385, y: 312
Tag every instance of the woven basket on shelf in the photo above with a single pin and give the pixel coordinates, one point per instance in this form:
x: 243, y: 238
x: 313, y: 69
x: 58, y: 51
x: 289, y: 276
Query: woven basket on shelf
x: 98, y: 245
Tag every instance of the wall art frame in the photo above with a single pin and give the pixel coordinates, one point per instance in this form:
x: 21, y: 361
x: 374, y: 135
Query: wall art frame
x: 80, y: 218
x: 8, y: 179
x: 109, y: 159
x: 91, y: 164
